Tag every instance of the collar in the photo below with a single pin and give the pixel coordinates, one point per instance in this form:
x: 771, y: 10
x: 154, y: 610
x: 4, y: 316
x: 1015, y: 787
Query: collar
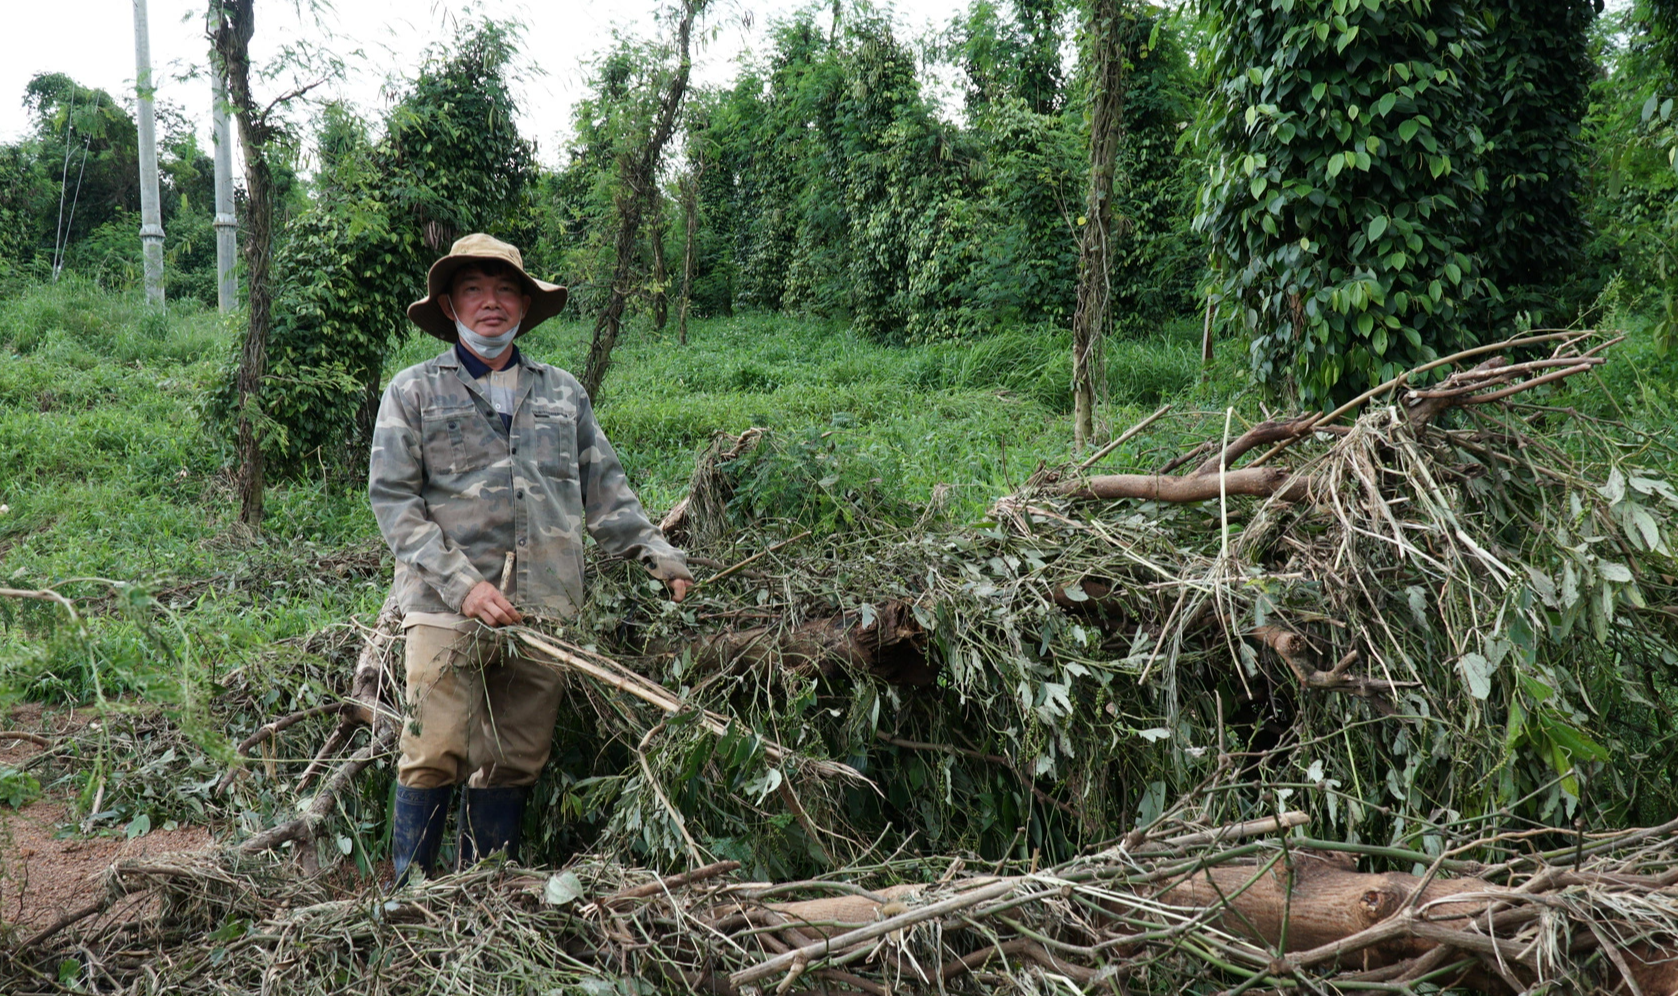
x: 476, y: 368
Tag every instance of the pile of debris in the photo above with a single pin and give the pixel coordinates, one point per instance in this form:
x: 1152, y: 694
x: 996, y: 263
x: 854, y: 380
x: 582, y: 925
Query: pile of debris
x: 942, y: 755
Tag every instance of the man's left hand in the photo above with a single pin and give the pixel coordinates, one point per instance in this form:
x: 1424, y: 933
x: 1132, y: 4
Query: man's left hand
x: 679, y: 588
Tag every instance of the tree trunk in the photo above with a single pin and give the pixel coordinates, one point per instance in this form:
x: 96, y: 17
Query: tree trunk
x: 232, y: 25
x: 689, y: 186
x: 638, y: 175
x: 1107, y: 31
x: 661, y: 273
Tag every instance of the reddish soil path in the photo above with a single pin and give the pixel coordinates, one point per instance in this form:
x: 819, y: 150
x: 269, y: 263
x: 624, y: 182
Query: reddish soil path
x: 46, y: 866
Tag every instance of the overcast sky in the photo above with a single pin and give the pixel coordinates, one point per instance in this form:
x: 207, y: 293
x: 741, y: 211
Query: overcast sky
x: 93, y: 42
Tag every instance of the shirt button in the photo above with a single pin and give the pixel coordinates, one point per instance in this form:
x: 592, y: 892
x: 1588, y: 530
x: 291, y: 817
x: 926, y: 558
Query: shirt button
x: 515, y: 451
x: 521, y: 542
x: 518, y: 494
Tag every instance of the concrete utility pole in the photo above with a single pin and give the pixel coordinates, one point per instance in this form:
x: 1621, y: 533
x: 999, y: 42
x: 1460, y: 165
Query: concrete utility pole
x: 227, y: 226
x: 151, y: 219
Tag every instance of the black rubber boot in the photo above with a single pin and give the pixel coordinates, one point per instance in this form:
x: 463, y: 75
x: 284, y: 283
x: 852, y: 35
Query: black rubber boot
x: 416, y: 829
x: 494, y: 818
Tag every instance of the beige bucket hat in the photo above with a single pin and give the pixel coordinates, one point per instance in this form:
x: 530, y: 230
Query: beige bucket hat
x: 546, y: 299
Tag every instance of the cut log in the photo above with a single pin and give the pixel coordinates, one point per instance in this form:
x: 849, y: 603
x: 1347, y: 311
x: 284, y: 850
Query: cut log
x: 1326, y: 914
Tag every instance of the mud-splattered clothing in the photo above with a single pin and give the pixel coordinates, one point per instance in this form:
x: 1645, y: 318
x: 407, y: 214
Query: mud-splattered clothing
x: 453, y: 490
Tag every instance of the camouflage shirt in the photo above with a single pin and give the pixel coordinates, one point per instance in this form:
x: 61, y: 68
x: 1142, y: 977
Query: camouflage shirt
x: 454, y: 491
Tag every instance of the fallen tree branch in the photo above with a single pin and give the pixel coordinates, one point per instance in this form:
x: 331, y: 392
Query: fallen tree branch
x: 1125, y: 437
x: 34, y: 738
x: 1291, y: 648
x: 1257, y: 482
x: 671, y: 883
x: 306, y: 827
x: 754, y: 558
x: 556, y: 654
x: 272, y: 728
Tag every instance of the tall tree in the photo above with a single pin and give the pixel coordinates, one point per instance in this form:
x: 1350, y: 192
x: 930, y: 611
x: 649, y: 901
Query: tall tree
x: 661, y: 273
x: 637, y: 194
x: 232, y: 25
x: 688, y: 186
x: 1106, y: 34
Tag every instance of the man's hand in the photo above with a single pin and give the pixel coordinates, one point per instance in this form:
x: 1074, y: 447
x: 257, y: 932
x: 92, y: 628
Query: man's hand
x: 486, y: 604
x: 679, y: 588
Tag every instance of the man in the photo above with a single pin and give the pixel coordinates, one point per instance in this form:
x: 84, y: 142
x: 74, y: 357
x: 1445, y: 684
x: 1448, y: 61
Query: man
x: 478, y: 454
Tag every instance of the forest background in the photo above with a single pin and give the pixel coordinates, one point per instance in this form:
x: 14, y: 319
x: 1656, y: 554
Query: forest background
x: 1308, y: 199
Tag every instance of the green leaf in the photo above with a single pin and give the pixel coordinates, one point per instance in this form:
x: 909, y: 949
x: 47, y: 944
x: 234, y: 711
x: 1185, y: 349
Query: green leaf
x: 562, y: 889
x: 1611, y: 571
x: 1377, y: 226
x: 139, y: 826
x: 1407, y: 129
x: 1641, y: 526
x: 1257, y: 186
x: 1477, y: 672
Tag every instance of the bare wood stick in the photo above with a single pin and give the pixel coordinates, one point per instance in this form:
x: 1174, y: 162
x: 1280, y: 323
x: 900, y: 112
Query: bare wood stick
x: 304, y: 828
x: 1237, y: 831
x: 624, y: 680
x: 821, y: 949
x: 1128, y: 435
x: 1178, y: 461
x: 65, y: 921
x: 1527, y: 385
x: 1265, y: 432
x: 507, y: 572
x: 1290, y: 647
x: 754, y: 558
x: 658, y: 886
x: 1402, y: 378
x: 1447, y: 390
x: 1261, y: 482
x: 270, y: 729
x: 41, y: 595
x: 34, y: 738
x: 339, y: 736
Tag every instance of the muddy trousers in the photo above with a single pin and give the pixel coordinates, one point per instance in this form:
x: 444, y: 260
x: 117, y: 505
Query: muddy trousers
x: 475, y: 711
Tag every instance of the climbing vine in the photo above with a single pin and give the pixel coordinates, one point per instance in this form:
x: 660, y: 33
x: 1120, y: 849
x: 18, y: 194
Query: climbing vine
x: 1347, y: 180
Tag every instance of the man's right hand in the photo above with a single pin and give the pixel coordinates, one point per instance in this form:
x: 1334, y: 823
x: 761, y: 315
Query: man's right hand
x: 486, y: 604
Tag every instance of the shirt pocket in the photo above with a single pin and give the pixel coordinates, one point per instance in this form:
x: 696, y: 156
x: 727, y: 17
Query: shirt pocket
x: 554, y: 428
x: 444, y: 432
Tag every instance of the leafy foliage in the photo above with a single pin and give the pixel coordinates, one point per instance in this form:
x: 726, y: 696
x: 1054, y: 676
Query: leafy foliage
x: 1533, y: 230
x: 1345, y: 192
x: 838, y: 188
x: 1634, y: 134
x: 450, y: 161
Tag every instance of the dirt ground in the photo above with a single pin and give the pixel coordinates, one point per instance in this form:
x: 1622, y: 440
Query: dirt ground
x: 47, y: 867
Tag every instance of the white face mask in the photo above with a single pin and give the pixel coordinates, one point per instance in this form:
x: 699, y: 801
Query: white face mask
x: 487, y: 346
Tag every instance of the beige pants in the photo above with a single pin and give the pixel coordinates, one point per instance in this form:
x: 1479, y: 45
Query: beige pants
x: 475, y: 710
